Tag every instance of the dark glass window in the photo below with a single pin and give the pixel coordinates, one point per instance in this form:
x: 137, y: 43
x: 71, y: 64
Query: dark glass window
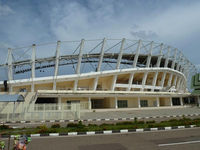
x: 143, y: 103
x: 122, y: 103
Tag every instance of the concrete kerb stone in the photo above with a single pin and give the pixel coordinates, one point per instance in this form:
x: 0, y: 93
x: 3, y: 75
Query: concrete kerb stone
x: 105, y: 132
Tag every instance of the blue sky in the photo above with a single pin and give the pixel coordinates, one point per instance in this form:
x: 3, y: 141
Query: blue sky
x: 174, y: 22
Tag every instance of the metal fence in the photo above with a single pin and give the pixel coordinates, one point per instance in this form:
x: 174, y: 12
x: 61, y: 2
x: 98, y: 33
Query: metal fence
x: 39, y: 112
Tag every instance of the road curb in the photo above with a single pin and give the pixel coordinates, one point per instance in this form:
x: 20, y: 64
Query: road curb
x: 97, y: 120
x: 106, y: 131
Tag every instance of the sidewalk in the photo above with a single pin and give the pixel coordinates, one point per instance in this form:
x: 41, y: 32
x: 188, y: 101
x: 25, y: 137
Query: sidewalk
x: 144, y: 112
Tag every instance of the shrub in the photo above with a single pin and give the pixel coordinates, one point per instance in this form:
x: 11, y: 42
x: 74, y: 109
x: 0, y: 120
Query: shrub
x: 140, y: 122
x: 150, y: 122
x: 173, y: 120
x: 42, y: 129
x: 124, y: 123
x: 135, y: 119
x: 72, y: 125
x: 4, y: 127
x: 92, y: 125
x: 106, y: 124
x: 55, y: 126
x: 75, y: 125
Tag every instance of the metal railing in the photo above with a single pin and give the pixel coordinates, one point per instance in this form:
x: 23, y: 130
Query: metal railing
x: 39, y: 112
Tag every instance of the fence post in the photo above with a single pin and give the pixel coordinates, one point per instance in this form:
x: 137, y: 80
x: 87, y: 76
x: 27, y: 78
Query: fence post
x: 77, y: 111
x: 43, y: 111
x: 62, y: 112
x: 8, y: 116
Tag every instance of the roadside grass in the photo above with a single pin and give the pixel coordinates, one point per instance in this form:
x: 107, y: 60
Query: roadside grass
x: 80, y: 127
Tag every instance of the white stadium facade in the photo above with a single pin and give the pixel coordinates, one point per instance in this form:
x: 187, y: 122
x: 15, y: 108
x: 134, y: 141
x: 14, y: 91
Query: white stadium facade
x: 102, y: 73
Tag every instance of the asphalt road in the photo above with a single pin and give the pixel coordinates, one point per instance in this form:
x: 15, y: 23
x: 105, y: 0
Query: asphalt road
x: 187, y: 139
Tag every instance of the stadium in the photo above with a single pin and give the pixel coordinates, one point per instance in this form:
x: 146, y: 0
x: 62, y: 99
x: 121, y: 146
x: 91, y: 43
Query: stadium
x: 96, y: 74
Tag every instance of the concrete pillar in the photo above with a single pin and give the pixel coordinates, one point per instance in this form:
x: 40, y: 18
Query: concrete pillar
x: 116, y: 106
x: 80, y: 57
x: 95, y: 83
x: 101, y: 55
x: 144, y: 80
x: 130, y: 81
x: 113, y: 82
x: 181, y: 101
x: 157, y: 102
x: 75, y: 84
x: 137, y: 54
x: 171, y: 103
x: 10, y: 68
x: 149, y: 56
x: 89, y: 103
x: 59, y: 103
x: 139, y: 106
x: 33, y: 56
x: 56, y: 64
x: 120, y: 54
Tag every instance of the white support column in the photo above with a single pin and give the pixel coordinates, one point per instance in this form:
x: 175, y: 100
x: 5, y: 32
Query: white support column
x: 154, y: 80
x: 75, y: 84
x: 157, y: 101
x: 149, y: 56
x: 95, y: 83
x: 147, y: 66
x: 137, y: 54
x: 160, y: 56
x: 134, y: 64
x: 172, y: 67
x: 130, y: 81
x: 120, y: 54
x: 80, y: 57
x: 139, y: 106
x: 171, y: 103
x: 178, y: 61
x: 157, y: 65
x: 56, y: 64
x: 59, y: 103
x: 33, y: 67
x: 114, y: 79
x: 10, y: 68
x: 116, y: 105
x: 174, y: 82
x: 101, y: 55
x: 118, y: 64
x: 10, y: 65
x: 179, y: 83
x: 89, y: 103
x: 144, y: 80
x: 169, y: 83
x: 167, y: 58
x: 163, y: 79
x: 99, y: 64
x: 165, y: 66
x: 181, y: 101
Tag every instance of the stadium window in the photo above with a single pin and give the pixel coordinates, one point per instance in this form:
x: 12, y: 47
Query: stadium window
x: 122, y: 103
x: 144, y: 103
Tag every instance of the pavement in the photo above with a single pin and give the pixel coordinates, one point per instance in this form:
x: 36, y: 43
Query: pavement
x: 143, y: 112
x: 186, y: 139
x: 102, y: 116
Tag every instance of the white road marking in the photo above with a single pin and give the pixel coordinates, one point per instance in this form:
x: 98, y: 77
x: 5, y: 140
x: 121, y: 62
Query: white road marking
x: 179, y: 143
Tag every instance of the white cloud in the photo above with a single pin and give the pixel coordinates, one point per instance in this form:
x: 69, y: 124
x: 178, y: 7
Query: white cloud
x: 169, y: 22
x: 5, y: 10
